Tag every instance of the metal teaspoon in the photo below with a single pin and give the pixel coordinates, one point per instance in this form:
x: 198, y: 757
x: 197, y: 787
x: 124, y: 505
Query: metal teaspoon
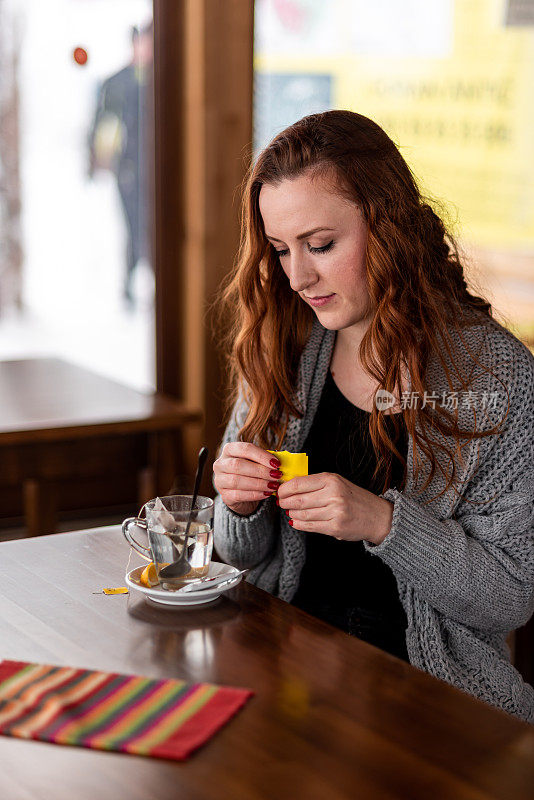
x: 182, y: 566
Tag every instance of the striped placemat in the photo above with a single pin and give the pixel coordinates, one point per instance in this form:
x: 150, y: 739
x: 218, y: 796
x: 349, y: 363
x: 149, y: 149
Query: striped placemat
x: 164, y: 718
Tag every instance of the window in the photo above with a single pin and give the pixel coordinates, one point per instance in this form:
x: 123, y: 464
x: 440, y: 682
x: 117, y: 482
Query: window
x: 76, y: 277
x: 451, y: 83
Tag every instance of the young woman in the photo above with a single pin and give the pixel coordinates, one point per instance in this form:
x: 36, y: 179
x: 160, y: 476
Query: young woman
x: 354, y: 338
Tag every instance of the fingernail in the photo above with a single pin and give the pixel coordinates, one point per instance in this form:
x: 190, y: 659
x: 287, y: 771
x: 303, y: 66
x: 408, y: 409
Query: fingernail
x: 267, y: 494
x: 272, y: 485
x: 290, y: 522
x: 274, y: 462
x: 275, y: 473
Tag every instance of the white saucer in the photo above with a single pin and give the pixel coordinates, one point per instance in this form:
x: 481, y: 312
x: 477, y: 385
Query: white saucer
x: 169, y: 598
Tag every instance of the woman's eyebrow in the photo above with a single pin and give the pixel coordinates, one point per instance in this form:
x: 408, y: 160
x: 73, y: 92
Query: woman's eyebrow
x: 301, y: 235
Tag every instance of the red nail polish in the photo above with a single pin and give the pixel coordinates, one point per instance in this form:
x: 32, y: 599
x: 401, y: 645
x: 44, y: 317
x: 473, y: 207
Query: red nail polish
x: 275, y: 473
x: 290, y: 522
x: 274, y: 462
x: 267, y: 494
x: 272, y: 485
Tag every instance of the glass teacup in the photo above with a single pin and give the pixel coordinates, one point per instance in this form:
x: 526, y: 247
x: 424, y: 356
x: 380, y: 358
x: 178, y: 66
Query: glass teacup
x: 166, y: 534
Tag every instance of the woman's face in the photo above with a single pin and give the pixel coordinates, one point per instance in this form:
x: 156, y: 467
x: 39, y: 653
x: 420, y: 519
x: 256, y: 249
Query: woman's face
x: 321, y: 241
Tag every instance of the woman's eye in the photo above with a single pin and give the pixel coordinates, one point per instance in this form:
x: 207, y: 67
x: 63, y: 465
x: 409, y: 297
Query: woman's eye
x: 324, y: 249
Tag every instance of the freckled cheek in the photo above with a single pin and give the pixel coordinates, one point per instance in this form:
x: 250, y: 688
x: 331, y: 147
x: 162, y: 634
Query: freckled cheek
x: 349, y: 278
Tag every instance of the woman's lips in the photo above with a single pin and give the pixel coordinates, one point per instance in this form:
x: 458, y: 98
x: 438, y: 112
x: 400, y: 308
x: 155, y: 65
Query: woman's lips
x: 319, y: 301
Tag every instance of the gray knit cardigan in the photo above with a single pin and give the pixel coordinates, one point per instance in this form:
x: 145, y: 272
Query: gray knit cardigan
x: 464, y: 563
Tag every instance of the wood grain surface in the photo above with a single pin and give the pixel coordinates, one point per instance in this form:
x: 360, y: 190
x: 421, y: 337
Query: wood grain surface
x: 48, y: 399
x: 332, y: 717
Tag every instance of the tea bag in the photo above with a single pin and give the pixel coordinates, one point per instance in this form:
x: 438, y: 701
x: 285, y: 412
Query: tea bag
x: 292, y: 465
x: 170, y: 526
x: 165, y: 519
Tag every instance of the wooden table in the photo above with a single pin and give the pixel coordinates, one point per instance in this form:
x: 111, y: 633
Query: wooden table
x: 332, y: 718
x: 73, y: 439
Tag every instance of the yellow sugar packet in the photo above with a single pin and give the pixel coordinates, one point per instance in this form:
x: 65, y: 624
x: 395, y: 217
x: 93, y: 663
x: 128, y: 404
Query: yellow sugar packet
x: 292, y: 465
x: 118, y: 590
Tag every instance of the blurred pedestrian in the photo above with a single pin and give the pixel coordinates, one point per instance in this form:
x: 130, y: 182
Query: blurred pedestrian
x: 118, y: 142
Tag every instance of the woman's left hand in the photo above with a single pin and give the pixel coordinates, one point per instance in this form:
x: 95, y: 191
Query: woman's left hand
x: 327, y: 503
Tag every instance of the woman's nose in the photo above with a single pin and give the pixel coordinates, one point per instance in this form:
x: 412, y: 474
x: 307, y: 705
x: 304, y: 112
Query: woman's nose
x: 300, y: 273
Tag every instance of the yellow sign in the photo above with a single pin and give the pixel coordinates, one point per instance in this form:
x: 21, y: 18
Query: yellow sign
x: 451, y: 83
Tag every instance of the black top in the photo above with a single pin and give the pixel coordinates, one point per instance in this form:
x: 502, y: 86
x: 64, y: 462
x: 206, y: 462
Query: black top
x: 341, y: 582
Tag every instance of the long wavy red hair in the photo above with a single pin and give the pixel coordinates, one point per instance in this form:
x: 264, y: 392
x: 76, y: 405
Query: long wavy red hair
x: 415, y: 281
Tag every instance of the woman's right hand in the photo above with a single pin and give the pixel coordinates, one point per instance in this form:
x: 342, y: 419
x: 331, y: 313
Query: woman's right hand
x: 244, y: 476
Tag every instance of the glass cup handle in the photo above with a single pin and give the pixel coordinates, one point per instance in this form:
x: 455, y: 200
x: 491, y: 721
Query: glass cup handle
x: 126, y: 525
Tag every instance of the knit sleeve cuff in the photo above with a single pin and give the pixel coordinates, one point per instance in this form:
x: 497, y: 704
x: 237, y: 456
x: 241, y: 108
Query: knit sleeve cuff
x: 256, y: 515
x: 243, y: 541
x: 391, y: 495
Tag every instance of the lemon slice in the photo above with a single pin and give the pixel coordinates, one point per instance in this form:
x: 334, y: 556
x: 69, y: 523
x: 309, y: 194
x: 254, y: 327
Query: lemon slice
x: 149, y: 576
